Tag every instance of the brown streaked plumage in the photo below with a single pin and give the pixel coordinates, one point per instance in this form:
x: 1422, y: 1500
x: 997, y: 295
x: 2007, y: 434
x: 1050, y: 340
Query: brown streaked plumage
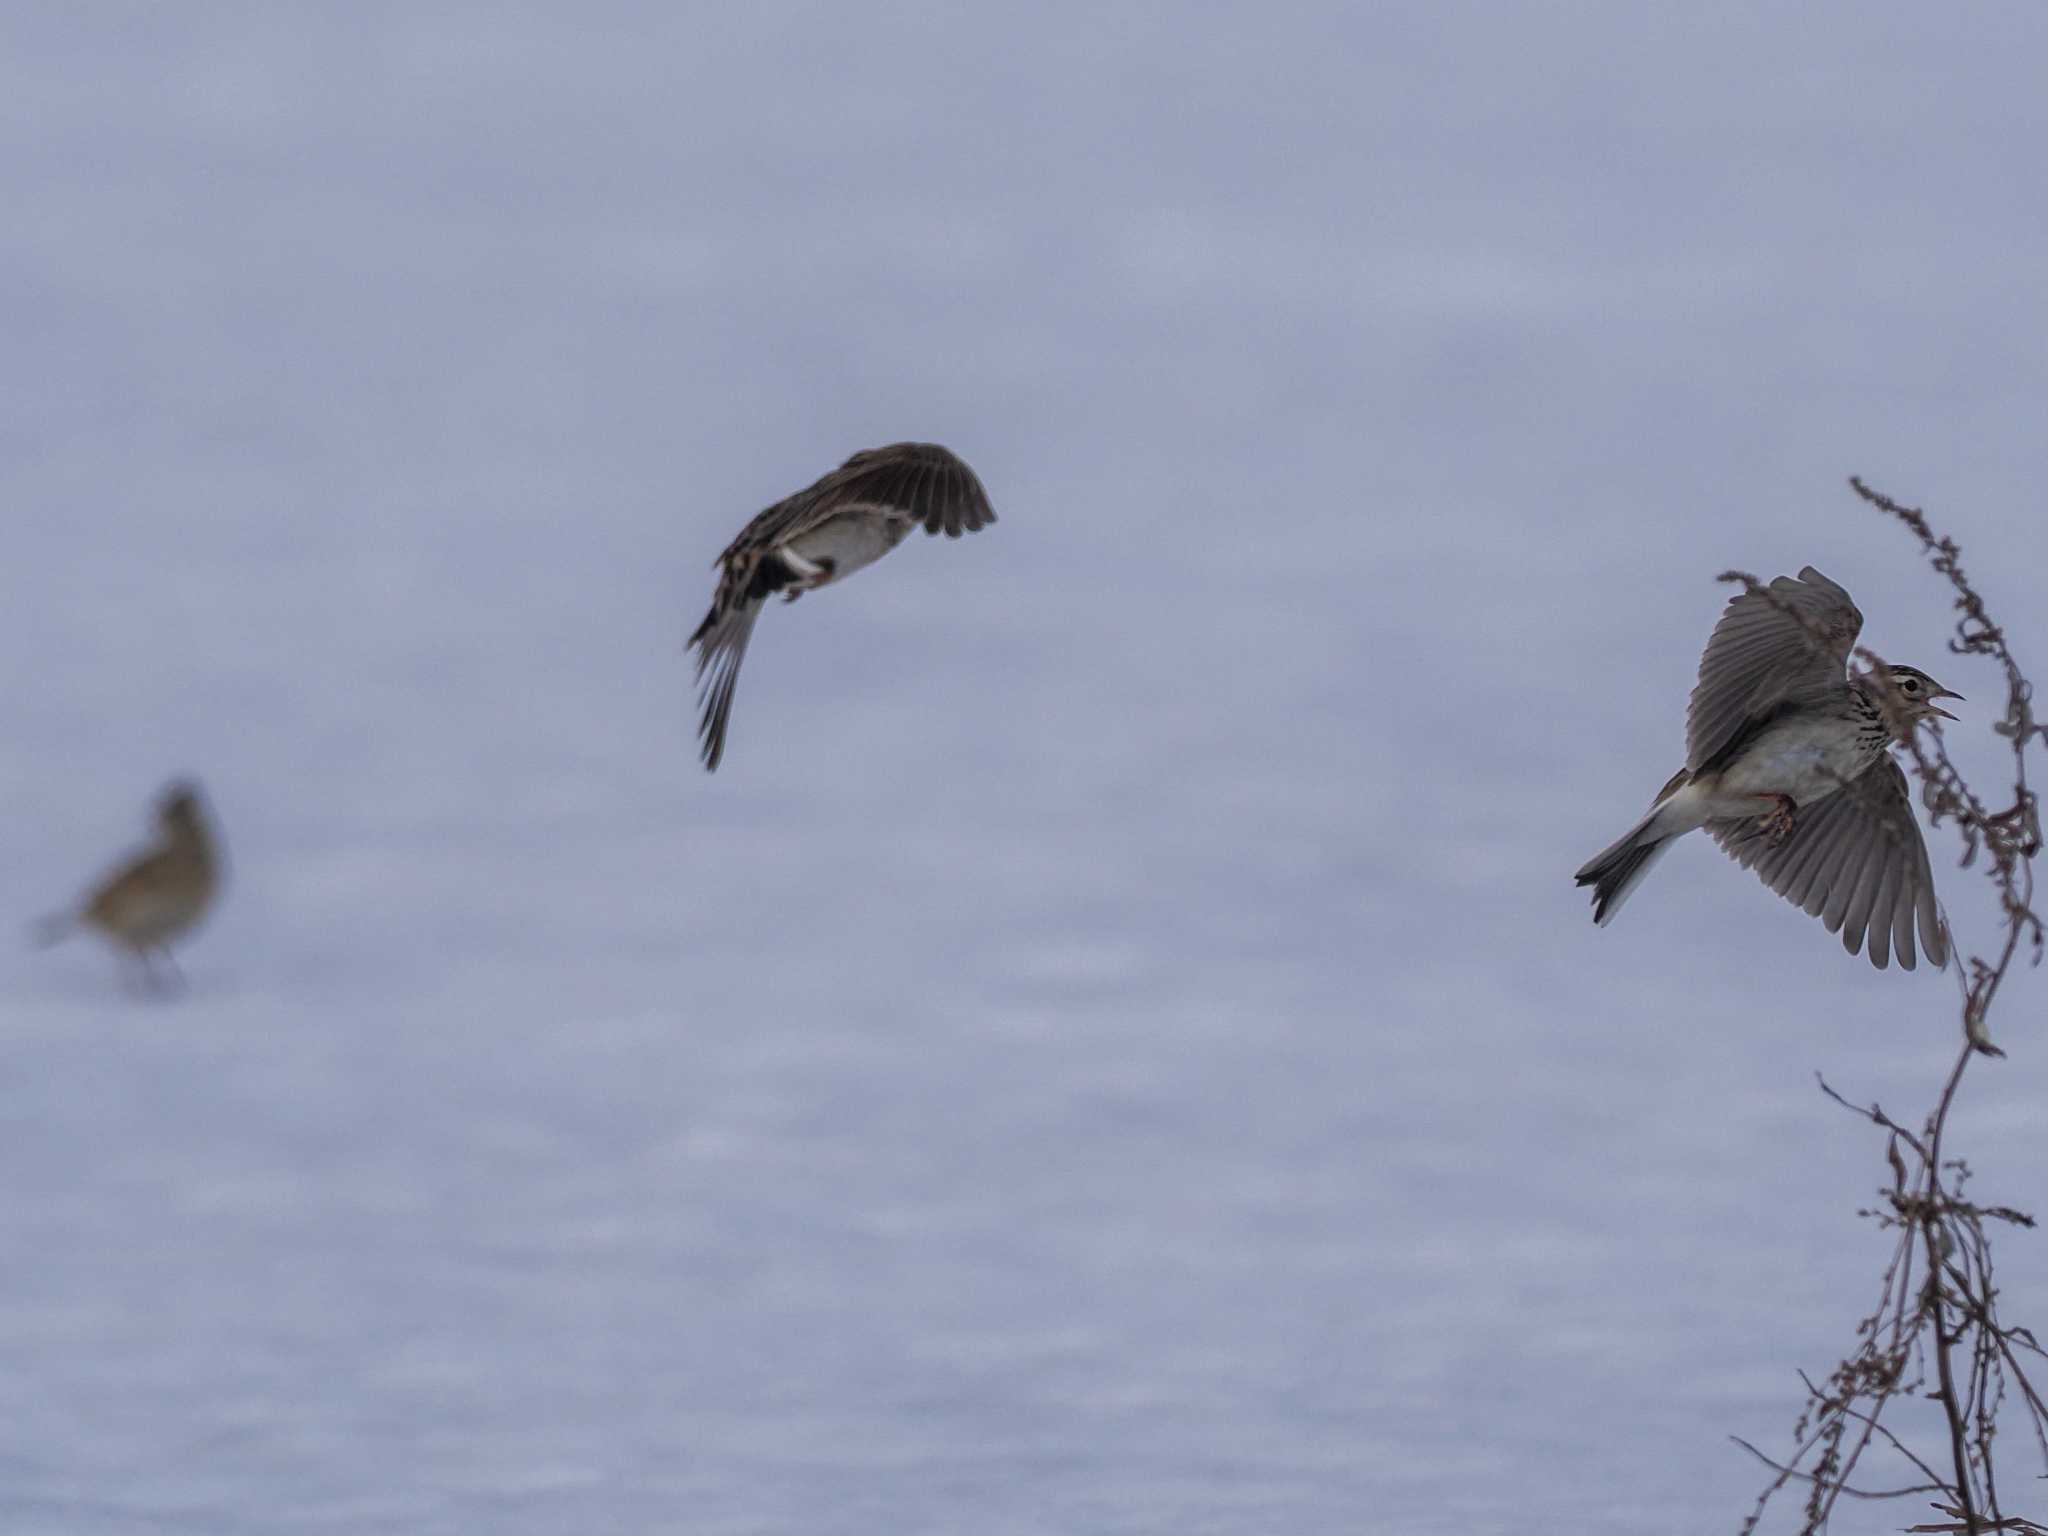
x: 159, y: 894
x: 847, y: 519
x: 1788, y: 767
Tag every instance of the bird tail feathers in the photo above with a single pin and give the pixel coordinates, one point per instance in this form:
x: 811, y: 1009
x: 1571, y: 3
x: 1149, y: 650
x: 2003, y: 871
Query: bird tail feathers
x: 721, y: 642
x: 54, y: 929
x: 1615, y: 873
x: 1619, y: 868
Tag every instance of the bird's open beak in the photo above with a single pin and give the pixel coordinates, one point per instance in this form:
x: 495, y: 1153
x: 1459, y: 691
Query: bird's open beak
x: 1946, y: 693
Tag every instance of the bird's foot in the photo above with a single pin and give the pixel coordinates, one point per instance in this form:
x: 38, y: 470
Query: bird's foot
x: 1777, y: 823
x: 809, y: 577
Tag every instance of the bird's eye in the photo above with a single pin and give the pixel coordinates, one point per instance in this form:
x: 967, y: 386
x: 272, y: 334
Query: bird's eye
x: 1909, y: 685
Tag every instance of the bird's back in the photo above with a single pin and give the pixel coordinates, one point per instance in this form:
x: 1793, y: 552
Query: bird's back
x: 158, y: 895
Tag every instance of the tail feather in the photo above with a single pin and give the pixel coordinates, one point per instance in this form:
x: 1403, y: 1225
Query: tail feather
x: 747, y: 580
x: 1616, y: 872
x: 54, y: 929
x: 721, y: 642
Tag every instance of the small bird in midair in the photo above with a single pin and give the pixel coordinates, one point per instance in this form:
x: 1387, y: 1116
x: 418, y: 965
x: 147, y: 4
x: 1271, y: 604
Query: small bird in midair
x: 155, y: 896
x: 824, y: 533
x: 1788, y: 767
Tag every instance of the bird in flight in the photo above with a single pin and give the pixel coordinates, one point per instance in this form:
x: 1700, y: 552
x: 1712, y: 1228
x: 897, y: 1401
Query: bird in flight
x: 824, y: 533
x: 156, y: 895
x: 1788, y: 767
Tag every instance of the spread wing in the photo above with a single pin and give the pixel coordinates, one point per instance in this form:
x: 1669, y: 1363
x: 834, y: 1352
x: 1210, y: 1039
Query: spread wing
x: 1762, y: 657
x: 1856, y: 861
x: 920, y: 483
x: 913, y: 484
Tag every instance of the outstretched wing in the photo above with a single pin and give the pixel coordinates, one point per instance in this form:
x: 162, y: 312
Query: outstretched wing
x: 1765, y: 655
x: 1856, y: 861
x: 921, y: 483
x: 918, y: 484
x: 930, y: 485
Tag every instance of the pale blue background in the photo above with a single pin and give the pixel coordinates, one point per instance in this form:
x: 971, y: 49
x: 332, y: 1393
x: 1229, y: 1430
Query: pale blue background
x: 1116, y: 1048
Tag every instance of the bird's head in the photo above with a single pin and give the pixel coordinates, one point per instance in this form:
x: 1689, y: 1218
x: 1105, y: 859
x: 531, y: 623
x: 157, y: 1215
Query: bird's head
x: 178, y: 805
x: 1919, y: 691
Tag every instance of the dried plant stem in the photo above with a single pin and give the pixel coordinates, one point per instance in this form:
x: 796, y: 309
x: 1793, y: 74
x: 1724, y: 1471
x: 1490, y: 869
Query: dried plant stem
x: 1937, y: 1304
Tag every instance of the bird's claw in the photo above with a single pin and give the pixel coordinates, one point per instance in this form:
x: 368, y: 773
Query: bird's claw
x: 1777, y: 823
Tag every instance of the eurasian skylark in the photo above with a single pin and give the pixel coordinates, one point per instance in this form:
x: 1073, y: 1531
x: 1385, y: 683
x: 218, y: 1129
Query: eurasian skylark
x: 1788, y: 768
x: 155, y: 896
x: 824, y: 533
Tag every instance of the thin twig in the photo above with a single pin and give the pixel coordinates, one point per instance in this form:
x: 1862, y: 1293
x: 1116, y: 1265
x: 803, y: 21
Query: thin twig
x: 1936, y: 1298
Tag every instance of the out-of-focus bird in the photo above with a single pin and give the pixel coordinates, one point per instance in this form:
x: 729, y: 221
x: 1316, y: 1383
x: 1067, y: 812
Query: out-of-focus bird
x: 824, y: 533
x: 157, y: 895
x: 1788, y: 767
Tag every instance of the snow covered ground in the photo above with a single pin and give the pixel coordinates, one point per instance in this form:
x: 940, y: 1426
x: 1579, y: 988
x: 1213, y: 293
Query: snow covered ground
x: 1116, y: 1048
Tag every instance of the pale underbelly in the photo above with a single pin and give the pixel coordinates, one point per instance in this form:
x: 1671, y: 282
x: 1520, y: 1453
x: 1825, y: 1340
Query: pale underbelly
x: 1780, y: 763
x: 848, y: 543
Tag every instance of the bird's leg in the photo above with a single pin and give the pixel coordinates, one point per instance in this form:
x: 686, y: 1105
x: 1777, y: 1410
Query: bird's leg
x: 808, y: 574
x: 173, y: 982
x: 1777, y: 823
x: 145, y: 977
